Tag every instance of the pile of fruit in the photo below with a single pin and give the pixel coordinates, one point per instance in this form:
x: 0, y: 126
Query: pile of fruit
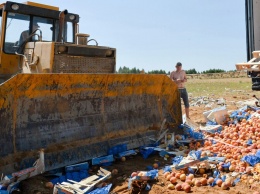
x: 180, y: 182
x: 234, y: 142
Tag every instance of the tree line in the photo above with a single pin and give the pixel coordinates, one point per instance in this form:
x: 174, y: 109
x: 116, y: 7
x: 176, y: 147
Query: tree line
x: 193, y: 71
x: 190, y: 71
x: 135, y: 70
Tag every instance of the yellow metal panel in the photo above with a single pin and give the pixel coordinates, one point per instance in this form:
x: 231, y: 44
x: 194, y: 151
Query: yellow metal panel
x: 42, y: 5
x: 111, y: 85
x: 9, y: 63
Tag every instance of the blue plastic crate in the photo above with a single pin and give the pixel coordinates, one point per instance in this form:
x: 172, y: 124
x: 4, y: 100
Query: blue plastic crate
x: 126, y: 153
x: 77, y: 167
x: 75, y: 176
x: 101, y: 160
x: 117, y: 149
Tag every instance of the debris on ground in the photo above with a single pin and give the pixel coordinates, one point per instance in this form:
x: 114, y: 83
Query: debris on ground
x: 10, y: 183
x: 86, y: 185
x: 139, y: 181
x: 222, y: 153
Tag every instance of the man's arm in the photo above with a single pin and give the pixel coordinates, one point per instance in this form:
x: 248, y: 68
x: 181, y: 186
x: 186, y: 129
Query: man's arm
x: 171, y: 75
x: 184, y: 77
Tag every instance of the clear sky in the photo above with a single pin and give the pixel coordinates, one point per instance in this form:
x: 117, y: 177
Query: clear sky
x: 153, y: 34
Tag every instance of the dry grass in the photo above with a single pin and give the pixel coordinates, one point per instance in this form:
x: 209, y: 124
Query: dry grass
x: 218, y: 87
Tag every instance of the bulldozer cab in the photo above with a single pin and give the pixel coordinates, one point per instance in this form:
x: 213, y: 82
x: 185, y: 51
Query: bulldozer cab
x: 19, y: 26
x: 30, y: 30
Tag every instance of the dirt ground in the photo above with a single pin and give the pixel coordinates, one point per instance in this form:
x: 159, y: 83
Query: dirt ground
x: 126, y: 168
x: 138, y: 163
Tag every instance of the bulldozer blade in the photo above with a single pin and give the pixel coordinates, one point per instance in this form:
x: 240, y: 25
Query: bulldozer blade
x: 76, y: 117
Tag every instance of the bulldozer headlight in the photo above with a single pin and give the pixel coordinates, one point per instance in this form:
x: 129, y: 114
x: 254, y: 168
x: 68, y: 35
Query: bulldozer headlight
x: 72, y: 17
x: 62, y: 49
x: 109, y: 53
x: 15, y: 7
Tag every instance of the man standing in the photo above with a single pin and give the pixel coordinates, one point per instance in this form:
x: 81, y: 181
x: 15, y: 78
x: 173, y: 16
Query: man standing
x: 179, y: 77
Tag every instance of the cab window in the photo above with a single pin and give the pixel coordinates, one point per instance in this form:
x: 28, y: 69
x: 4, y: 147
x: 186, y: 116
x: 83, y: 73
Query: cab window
x: 46, y: 27
x: 16, y: 24
x: 18, y: 30
x: 69, y: 32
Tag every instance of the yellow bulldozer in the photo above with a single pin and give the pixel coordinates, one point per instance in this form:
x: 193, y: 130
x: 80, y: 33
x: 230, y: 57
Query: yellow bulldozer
x: 59, y: 91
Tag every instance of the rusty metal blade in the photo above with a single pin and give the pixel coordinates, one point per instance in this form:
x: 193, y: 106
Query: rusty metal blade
x: 76, y: 117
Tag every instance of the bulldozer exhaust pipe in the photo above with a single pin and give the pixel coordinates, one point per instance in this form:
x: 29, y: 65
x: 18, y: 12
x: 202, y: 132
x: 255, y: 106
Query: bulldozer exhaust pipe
x: 61, y: 25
